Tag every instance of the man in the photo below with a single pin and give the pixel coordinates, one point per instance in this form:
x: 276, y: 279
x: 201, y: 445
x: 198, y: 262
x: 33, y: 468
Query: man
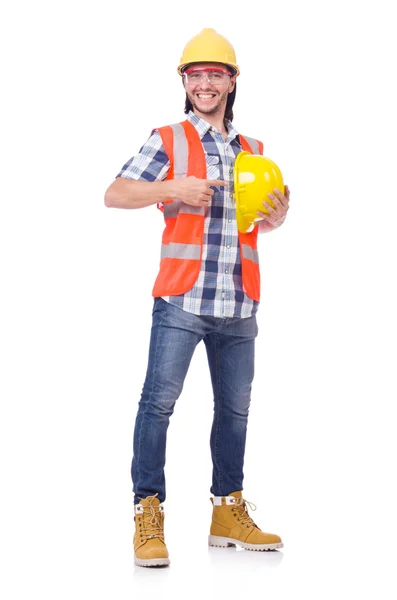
x: 207, y: 289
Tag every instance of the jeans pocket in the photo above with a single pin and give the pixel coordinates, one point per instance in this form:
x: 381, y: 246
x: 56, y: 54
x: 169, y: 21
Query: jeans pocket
x: 158, y: 305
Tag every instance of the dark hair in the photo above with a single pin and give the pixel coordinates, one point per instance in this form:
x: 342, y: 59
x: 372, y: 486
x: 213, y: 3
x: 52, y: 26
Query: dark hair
x: 229, y: 104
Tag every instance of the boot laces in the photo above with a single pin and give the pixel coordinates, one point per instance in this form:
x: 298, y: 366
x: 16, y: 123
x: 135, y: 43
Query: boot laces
x: 245, y: 519
x: 151, y: 522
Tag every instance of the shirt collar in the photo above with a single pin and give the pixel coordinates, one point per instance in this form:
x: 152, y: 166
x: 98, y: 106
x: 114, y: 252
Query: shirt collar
x: 203, y: 126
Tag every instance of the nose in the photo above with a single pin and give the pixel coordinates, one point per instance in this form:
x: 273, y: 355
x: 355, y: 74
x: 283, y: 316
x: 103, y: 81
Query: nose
x: 204, y: 82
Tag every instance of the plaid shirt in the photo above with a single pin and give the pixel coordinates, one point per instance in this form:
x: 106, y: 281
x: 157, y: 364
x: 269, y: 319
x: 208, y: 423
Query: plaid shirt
x: 218, y: 291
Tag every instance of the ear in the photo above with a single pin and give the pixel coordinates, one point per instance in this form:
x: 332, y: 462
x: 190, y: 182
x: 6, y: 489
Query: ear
x: 232, y: 83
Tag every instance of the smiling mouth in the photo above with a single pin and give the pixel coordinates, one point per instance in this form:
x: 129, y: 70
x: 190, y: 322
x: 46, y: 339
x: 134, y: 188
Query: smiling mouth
x: 205, y: 96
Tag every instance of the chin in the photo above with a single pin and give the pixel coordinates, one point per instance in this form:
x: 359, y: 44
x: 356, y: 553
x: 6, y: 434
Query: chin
x: 207, y: 109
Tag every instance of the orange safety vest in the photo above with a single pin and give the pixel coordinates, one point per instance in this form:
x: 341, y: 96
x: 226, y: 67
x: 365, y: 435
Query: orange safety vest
x: 182, y: 241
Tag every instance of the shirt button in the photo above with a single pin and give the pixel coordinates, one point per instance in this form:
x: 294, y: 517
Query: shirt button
x: 226, y: 271
x: 228, y: 246
x: 231, y: 195
x: 229, y: 220
x: 231, y: 171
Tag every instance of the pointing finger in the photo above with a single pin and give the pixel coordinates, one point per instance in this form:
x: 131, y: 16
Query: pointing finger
x: 216, y: 182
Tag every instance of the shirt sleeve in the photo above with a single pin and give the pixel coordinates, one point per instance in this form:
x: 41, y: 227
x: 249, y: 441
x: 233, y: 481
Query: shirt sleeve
x: 150, y: 164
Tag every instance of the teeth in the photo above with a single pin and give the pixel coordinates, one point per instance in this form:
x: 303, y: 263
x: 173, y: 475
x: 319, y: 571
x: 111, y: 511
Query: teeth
x: 205, y: 96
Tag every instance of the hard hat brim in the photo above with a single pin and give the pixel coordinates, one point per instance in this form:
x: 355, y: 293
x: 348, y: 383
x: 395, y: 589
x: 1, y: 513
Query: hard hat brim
x: 231, y: 67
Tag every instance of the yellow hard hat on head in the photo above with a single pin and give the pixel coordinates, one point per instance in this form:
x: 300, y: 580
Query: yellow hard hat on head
x: 208, y: 46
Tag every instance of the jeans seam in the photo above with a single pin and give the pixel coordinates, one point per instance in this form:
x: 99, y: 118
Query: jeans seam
x: 218, y: 414
x: 149, y: 394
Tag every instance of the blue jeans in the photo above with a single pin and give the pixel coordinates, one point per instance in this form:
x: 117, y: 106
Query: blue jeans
x: 230, y: 349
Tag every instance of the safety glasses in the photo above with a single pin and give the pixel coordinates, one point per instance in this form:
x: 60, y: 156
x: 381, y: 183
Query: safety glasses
x: 214, y: 75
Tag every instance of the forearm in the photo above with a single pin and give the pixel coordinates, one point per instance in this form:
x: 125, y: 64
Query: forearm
x: 129, y: 193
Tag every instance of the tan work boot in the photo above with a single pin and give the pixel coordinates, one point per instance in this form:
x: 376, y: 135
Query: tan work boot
x: 149, y: 544
x: 231, y: 525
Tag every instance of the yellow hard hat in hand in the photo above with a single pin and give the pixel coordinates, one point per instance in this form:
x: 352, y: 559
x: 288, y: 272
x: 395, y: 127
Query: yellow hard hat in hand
x: 255, y: 176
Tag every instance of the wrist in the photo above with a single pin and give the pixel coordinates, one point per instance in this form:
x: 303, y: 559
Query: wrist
x: 168, y: 189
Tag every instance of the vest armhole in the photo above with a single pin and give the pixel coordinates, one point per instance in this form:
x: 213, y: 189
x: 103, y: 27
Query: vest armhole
x: 246, y: 144
x: 167, y: 137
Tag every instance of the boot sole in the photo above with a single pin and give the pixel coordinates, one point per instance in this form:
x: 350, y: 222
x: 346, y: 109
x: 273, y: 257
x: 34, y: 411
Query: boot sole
x: 224, y: 542
x: 152, y: 562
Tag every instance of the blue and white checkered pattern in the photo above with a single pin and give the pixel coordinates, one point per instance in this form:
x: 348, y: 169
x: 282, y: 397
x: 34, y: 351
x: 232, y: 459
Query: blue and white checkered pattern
x: 218, y: 291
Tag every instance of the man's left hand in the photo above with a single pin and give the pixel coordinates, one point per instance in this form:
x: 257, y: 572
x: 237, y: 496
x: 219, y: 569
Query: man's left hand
x: 276, y: 216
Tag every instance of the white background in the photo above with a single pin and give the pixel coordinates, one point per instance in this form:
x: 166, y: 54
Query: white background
x: 84, y: 83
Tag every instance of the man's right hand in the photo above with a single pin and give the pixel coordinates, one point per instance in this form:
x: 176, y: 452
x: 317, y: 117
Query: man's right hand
x: 194, y: 191
x: 128, y: 193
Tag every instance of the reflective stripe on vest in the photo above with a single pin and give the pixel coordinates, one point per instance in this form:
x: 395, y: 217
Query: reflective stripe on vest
x: 255, y: 145
x: 248, y: 242
x: 180, y: 157
x: 182, y: 240
x: 182, y: 251
x: 250, y: 254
